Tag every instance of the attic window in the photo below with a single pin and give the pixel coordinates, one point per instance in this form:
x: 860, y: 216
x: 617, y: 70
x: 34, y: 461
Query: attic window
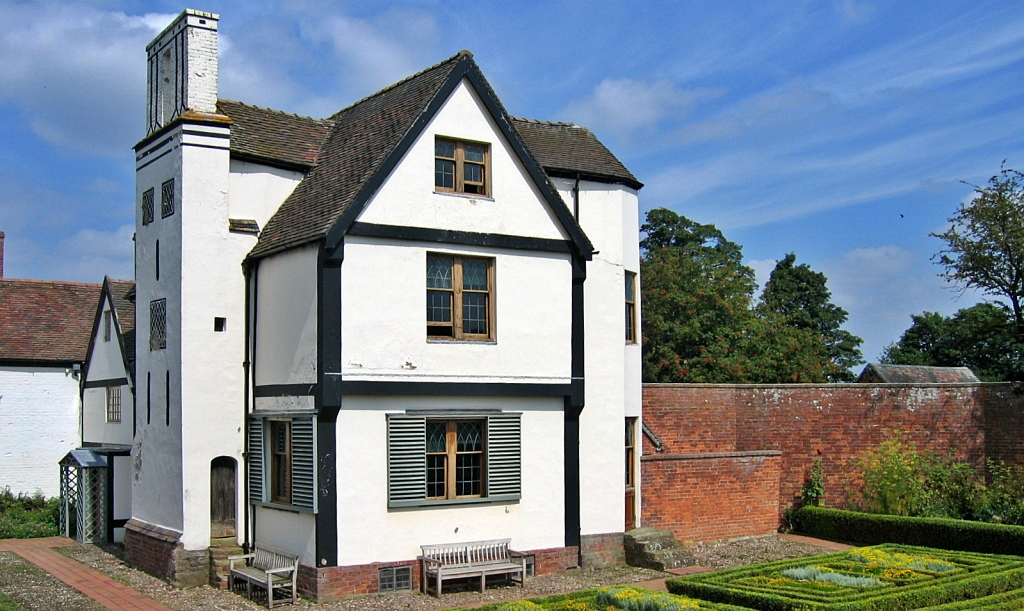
x: 461, y: 167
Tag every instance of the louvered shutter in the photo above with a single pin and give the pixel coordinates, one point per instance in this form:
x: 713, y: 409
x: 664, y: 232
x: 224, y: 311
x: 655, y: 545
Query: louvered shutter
x: 504, y: 473
x: 304, y: 463
x: 407, y: 460
x: 256, y: 450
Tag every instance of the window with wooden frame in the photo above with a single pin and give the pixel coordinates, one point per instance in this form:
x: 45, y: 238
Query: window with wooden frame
x: 455, y: 459
x: 281, y: 461
x: 630, y: 452
x: 461, y: 167
x: 113, y: 404
x: 460, y: 298
x: 630, y: 308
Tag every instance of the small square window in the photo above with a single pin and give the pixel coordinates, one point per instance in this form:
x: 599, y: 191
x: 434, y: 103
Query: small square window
x: 220, y: 324
x: 394, y: 578
x: 461, y: 167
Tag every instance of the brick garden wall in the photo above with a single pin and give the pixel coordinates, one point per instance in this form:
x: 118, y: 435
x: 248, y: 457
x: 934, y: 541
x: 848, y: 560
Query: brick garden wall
x: 803, y: 423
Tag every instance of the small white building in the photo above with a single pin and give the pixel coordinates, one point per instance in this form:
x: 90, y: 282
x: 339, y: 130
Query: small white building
x: 44, y: 340
x: 412, y: 322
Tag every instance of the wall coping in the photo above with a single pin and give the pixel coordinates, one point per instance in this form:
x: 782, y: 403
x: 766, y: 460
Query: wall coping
x: 843, y: 386
x: 152, y: 530
x: 712, y: 455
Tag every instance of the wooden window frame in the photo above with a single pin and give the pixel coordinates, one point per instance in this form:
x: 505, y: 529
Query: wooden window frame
x: 113, y: 395
x: 630, y: 296
x: 456, y: 292
x: 451, y: 455
x: 280, y: 460
x: 459, y: 181
x: 630, y: 448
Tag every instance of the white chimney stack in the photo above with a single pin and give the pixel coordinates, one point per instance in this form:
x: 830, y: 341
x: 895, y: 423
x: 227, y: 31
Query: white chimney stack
x: 182, y: 69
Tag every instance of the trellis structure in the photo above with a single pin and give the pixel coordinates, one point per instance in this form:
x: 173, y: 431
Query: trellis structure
x: 85, y: 496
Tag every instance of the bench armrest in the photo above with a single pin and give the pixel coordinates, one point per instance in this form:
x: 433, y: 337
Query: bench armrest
x: 231, y: 559
x: 426, y: 560
x: 286, y: 569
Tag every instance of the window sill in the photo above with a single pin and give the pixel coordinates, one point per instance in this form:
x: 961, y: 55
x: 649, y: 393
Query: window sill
x: 424, y: 504
x: 478, y: 342
x: 483, y: 198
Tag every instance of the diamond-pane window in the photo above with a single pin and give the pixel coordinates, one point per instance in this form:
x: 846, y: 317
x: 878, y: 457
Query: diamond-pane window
x: 167, y: 198
x: 147, y: 206
x: 158, y: 324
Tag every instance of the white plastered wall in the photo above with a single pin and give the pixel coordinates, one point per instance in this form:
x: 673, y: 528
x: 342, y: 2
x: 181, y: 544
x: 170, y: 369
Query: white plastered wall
x: 38, y: 426
x: 286, y: 321
x: 514, y: 206
x: 369, y: 532
x: 257, y: 190
x: 122, y: 492
x: 384, y: 317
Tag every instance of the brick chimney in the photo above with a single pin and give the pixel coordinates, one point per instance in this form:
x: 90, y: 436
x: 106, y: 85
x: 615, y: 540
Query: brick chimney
x: 182, y: 69
x: 1, y: 254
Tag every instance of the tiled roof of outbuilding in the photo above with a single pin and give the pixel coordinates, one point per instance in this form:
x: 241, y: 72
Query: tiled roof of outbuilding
x: 46, y: 321
x: 276, y: 137
x: 565, y: 149
x: 917, y: 374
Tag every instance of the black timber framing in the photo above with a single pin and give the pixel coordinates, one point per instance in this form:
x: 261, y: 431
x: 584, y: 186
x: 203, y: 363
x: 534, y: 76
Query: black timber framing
x: 465, y: 238
x: 327, y: 405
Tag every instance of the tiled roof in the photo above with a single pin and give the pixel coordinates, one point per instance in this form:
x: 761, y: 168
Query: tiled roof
x: 565, y: 149
x: 46, y: 321
x: 273, y: 136
x: 362, y: 136
x: 917, y: 374
x: 123, y: 292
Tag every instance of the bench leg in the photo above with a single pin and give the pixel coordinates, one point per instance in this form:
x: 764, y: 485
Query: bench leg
x: 270, y: 593
x: 248, y: 589
x: 437, y: 590
x: 483, y: 581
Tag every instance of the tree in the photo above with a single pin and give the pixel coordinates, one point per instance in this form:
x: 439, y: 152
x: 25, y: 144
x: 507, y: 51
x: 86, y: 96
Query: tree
x: 982, y: 337
x: 699, y: 325
x: 985, y: 242
x: 800, y: 295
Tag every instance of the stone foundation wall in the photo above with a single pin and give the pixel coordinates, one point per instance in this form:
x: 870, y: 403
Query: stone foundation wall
x: 602, y: 550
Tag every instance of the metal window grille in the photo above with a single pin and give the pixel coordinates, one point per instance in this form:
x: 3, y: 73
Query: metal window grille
x: 392, y: 578
x: 158, y: 324
x: 113, y: 404
x: 147, y: 206
x: 167, y: 198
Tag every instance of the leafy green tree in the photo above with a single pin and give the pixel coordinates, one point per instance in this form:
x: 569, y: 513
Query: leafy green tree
x: 985, y: 243
x: 800, y: 295
x: 699, y: 325
x: 982, y: 337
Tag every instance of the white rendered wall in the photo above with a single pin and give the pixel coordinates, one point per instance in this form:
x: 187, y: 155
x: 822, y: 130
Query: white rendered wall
x: 106, y: 363
x: 384, y: 333
x: 288, y: 530
x: 286, y: 331
x: 256, y: 190
x: 38, y: 426
x: 122, y: 492
x: 407, y: 197
x: 368, y: 532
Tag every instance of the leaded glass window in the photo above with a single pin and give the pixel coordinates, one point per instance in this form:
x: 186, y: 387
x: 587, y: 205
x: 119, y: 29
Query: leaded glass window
x: 147, y: 206
x: 167, y: 198
x: 455, y: 459
x: 459, y: 297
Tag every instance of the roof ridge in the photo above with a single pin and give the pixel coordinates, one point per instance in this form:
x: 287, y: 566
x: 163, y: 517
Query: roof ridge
x: 460, y: 54
x: 64, y: 282
x: 543, y: 122
x: 274, y: 110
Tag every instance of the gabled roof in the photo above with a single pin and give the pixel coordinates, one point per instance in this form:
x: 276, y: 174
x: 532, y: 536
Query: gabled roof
x: 121, y: 294
x: 917, y: 374
x: 367, y: 140
x: 273, y: 137
x: 46, y: 321
x: 566, y: 149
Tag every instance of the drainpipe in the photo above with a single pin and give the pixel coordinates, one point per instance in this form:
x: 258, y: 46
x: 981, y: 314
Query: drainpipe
x: 245, y: 410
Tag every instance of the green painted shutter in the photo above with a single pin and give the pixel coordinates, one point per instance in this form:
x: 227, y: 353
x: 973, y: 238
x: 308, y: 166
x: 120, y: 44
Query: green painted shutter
x: 304, y: 463
x: 504, y: 471
x: 407, y: 460
x: 256, y: 451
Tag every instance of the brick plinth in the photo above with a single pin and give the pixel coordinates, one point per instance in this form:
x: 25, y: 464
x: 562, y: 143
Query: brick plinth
x: 332, y: 583
x: 602, y: 550
x: 157, y: 551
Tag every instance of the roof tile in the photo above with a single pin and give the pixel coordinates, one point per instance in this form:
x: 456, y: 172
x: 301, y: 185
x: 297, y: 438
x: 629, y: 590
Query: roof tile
x: 45, y: 320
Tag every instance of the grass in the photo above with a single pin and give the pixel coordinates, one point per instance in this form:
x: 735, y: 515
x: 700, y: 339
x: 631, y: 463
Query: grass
x: 6, y: 604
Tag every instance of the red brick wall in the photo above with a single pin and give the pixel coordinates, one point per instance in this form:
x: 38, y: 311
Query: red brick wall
x: 150, y: 554
x: 707, y: 497
x: 833, y: 422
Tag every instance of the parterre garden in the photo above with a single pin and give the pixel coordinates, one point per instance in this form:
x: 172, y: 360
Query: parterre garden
x: 879, y: 578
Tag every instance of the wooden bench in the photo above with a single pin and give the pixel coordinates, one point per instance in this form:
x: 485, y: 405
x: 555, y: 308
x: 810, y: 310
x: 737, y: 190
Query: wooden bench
x: 267, y: 568
x: 472, y: 559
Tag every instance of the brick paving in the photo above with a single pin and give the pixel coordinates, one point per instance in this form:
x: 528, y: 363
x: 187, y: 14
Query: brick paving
x: 97, y: 586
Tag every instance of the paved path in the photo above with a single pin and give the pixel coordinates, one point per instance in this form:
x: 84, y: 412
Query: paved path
x: 97, y: 586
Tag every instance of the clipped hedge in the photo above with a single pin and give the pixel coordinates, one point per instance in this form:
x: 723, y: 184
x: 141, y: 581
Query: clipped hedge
x: 1005, y: 601
x: 942, y: 533
x: 764, y: 587
x: 627, y: 598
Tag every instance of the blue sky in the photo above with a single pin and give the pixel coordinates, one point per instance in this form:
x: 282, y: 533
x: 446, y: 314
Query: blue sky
x: 838, y: 130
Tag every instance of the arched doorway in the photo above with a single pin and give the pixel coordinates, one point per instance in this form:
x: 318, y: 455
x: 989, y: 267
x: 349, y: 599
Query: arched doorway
x: 222, y: 497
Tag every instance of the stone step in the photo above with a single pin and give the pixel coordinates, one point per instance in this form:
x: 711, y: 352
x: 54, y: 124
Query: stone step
x: 655, y: 549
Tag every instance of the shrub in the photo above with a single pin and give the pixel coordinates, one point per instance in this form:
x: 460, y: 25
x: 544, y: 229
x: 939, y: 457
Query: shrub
x: 813, y: 492
x: 24, y: 517
x: 955, y: 488
x: 894, y: 478
x: 942, y: 533
x: 1004, y: 499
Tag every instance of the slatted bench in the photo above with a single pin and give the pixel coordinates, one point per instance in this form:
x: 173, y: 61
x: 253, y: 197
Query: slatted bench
x: 472, y: 559
x: 268, y: 568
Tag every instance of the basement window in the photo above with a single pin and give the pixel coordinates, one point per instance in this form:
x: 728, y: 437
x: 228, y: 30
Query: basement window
x: 394, y: 578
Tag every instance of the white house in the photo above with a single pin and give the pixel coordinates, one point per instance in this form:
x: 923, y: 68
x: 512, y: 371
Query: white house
x: 44, y: 339
x: 412, y: 322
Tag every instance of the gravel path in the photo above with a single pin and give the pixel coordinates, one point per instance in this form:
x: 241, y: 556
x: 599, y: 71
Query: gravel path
x: 35, y: 590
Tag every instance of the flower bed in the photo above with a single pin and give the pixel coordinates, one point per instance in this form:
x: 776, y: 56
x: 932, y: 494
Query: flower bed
x: 881, y: 578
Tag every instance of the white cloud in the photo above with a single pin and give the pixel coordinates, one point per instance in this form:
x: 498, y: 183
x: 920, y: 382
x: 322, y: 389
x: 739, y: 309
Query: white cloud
x: 85, y: 256
x: 852, y: 10
x: 76, y: 73
x: 626, y: 108
x: 763, y: 269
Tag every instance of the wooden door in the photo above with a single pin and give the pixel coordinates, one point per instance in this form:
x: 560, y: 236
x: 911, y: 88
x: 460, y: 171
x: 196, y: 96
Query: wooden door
x: 630, y: 473
x: 222, y: 497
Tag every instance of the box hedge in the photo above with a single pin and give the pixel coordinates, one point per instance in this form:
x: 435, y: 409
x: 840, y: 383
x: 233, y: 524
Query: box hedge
x: 942, y: 533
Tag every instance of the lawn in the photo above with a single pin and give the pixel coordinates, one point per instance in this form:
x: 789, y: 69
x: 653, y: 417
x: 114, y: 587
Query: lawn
x: 6, y: 604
